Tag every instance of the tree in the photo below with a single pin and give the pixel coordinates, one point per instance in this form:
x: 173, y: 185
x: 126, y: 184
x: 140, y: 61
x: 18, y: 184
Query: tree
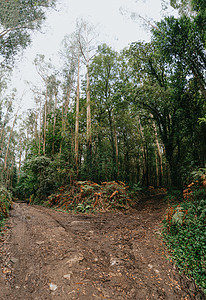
x: 163, y: 89
x: 86, y: 37
x: 17, y: 20
x: 8, y: 144
x: 77, y: 117
x: 180, y: 41
x: 44, y: 70
x: 71, y: 56
x: 114, y: 135
x: 4, y: 120
x: 103, y: 76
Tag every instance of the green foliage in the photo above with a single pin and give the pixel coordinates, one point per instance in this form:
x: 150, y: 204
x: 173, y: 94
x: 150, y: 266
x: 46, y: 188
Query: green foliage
x: 2, y: 223
x: 202, y: 120
x: 81, y: 207
x: 145, y: 105
x: 180, y: 40
x: 17, y: 20
x: 40, y: 176
x: 185, y: 234
x: 135, y: 188
x: 195, y: 9
x: 173, y: 196
x: 5, y: 204
x: 37, y: 178
x: 198, y: 174
x: 170, y: 72
x: 177, y: 218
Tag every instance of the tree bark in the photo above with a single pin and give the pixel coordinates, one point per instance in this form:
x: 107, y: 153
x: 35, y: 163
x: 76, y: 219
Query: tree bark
x: 20, y: 156
x: 54, y: 125
x: 2, y: 136
x: 45, y: 122
x: 11, y: 132
x: 116, y: 147
x: 40, y: 131
x: 144, y: 154
x: 89, y: 141
x: 159, y: 155
x: 77, y: 119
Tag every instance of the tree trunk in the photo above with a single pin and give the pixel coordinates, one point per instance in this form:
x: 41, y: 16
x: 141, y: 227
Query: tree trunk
x: 159, y: 157
x: 88, y: 109
x: 54, y: 125
x: 144, y: 154
x: 66, y: 106
x: 112, y: 141
x: 89, y: 136
x: 9, y: 178
x: 77, y: 119
x: 7, y: 150
x: 40, y: 131
x: 45, y: 123
x: 61, y: 142
x: 173, y: 166
x: 2, y: 136
x: 2, y: 145
x: 116, y: 147
x: 64, y: 117
x: 20, y: 156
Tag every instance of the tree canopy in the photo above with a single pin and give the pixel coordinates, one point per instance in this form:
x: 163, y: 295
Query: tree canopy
x: 17, y: 20
x: 137, y: 115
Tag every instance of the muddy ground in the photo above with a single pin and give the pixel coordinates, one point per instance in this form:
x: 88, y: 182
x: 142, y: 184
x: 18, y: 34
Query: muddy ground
x: 47, y: 254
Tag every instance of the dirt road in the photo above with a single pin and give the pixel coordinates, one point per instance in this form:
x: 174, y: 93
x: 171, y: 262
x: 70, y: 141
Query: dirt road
x: 54, y: 255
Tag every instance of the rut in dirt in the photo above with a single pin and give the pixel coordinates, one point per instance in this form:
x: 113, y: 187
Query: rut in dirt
x: 48, y: 254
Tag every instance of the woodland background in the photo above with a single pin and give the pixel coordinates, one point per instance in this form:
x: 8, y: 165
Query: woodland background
x: 136, y: 116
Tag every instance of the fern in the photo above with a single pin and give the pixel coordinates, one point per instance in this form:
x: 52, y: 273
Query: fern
x: 203, y: 214
x: 177, y: 218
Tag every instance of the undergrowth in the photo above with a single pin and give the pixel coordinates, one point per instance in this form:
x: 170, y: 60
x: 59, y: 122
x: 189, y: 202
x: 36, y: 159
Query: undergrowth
x: 185, y: 232
x: 5, y: 204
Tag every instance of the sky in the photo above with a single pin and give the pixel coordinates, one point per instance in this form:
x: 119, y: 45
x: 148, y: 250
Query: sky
x: 116, y: 22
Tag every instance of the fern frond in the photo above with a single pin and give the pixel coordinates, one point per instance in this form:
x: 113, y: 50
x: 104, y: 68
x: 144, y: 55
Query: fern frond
x: 177, y: 218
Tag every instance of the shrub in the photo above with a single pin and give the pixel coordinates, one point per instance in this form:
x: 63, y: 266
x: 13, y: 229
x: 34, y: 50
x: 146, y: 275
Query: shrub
x: 5, y: 204
x: 41, y: 176
x: 185, y: 232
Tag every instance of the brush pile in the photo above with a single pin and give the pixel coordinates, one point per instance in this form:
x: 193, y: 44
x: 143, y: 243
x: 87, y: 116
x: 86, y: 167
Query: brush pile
x: 87, y: 196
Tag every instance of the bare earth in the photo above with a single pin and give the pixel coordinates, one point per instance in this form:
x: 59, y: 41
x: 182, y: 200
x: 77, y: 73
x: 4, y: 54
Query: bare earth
x: 48, y: 254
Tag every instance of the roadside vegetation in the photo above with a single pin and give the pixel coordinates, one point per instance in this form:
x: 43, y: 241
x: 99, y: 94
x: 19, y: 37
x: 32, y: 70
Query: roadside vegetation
x: 185, y: 230
x: 5, y: 205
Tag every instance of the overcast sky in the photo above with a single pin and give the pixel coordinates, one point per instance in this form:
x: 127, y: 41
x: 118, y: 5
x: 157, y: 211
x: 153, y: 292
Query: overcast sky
x: 111, y: 17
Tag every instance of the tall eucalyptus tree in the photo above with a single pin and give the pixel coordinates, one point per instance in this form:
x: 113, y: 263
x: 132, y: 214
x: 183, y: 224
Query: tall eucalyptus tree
x: 86, y: 39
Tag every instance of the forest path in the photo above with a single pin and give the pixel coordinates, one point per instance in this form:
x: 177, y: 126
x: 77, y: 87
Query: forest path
x: 48, y: 254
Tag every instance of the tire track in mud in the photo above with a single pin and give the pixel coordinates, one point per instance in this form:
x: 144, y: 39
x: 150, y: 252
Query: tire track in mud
x: 129, y: 260
x: 103, y: 256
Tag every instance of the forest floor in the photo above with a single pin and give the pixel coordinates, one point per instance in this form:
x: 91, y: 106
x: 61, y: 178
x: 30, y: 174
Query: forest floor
x: 47, y: 254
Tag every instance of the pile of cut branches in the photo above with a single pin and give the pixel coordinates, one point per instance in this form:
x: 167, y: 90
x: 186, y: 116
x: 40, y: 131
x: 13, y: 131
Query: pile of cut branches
x: 87, y: 196
x: 155, y: 191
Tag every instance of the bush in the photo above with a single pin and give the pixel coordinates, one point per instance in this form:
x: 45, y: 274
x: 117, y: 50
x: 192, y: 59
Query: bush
x: 5, y: 204
x: 41, y: 176
x: 173, y: 196
x: 185, y: 232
